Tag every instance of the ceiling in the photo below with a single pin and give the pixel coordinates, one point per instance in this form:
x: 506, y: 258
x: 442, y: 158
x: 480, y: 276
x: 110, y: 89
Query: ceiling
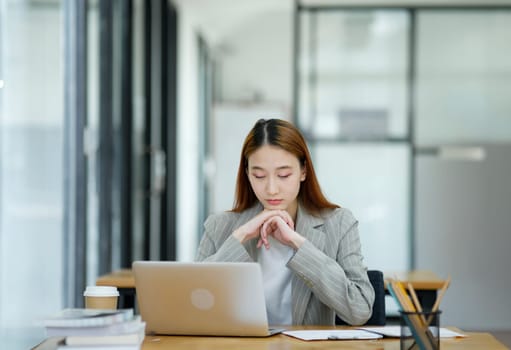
x: 218, y: 18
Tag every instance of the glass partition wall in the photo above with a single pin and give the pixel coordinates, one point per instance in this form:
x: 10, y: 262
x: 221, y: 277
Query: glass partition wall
x: 353, y: 105
x: 464, y: 78
x: 31, y: 161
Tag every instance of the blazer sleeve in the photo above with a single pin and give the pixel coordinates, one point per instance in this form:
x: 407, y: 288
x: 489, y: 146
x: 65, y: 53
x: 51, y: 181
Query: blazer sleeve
x: 218, y: 244
x: 339, y: 279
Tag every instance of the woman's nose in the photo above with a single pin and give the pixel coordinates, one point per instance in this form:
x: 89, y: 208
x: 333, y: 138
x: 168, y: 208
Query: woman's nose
x: 271, y: 186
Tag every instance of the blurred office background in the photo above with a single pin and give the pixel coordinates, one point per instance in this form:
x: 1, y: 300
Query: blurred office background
x: 121, y: 123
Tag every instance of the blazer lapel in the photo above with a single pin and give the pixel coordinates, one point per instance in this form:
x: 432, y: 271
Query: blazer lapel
x: 308, y: 226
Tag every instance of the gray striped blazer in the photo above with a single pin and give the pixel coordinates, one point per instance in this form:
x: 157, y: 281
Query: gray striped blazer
x: 329, y: 275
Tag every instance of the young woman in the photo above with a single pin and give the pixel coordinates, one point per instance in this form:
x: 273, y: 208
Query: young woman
x: 308, y: 248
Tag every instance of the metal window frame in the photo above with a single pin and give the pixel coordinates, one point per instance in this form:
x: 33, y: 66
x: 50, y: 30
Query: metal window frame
x: 75, y: 167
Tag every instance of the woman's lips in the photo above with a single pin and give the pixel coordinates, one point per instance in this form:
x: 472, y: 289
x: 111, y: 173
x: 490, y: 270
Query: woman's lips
x: 274, y: 201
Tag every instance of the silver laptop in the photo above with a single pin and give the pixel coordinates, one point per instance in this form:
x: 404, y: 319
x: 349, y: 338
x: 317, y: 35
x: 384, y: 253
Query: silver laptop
x: 220, y: 299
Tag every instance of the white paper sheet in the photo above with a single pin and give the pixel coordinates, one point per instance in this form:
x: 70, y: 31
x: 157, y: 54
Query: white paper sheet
x: 395, y: 332
x: 337, y: 334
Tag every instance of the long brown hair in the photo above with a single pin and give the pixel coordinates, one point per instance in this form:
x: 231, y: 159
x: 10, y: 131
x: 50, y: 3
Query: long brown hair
x: 279, y: 133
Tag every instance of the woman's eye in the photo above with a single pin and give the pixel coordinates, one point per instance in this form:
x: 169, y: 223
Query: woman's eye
x: 284, y: 176
x: 259, y: 176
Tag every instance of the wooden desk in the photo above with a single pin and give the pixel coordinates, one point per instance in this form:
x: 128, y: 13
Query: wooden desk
x: 125, y: 282
x: 420, y: 279
x: 120, y: 279
x: 472, y: 342
x: 425, y: 283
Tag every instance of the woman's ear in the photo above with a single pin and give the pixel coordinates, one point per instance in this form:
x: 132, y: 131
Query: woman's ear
x: 303, y: 175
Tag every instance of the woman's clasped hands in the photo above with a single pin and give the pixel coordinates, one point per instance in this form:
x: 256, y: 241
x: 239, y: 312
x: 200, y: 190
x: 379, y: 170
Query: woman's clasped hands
x: 275, y: 223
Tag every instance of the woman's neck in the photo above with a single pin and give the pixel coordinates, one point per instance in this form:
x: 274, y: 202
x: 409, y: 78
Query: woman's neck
x: 292, y: 209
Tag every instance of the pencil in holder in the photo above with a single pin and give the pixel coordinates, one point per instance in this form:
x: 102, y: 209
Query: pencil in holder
x: 420, y: 330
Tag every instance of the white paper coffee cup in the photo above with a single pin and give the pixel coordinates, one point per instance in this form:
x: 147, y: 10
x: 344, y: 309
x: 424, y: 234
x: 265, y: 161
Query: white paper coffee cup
x: 101, y: 297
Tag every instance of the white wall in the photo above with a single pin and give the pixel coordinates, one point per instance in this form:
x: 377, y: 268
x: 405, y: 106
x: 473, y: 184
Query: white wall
x: 227, y: 145
x: 260, y: 63
x: 258, y: 66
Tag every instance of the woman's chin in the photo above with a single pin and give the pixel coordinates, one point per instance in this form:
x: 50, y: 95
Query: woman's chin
x: 275, y: 207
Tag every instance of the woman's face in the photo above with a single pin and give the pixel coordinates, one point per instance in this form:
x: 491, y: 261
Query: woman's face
x: 275, y: 176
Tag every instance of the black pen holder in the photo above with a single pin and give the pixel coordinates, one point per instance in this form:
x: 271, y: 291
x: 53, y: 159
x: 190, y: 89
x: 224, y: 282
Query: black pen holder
x: 420, y: 330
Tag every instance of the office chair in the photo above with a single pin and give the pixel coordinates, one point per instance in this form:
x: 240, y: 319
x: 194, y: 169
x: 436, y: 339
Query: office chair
x: 378, y: 316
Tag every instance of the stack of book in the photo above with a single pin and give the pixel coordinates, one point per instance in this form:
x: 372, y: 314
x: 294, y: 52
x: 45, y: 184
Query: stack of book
x: 84, y: 329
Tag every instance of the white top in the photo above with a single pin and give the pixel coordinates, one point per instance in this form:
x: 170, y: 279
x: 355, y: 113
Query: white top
x: 276, y: 281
